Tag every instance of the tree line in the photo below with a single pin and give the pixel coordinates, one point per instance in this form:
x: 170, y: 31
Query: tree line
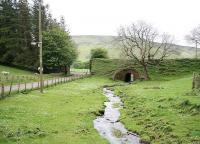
x: 19, y: 29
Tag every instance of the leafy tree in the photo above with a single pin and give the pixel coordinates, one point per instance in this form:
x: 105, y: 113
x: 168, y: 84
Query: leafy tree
x: 8, y: 31
x: 59, y: 50
x: 99, y: 53
x: 19, y: 27
x: 46, y: 18
x: 81, y: 65
x: 62, y: 23
x: 24, y: 56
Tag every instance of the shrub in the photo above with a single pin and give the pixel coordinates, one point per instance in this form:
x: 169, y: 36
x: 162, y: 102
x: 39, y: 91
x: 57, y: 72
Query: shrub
x: 99, y: 53
x: 81, y: 65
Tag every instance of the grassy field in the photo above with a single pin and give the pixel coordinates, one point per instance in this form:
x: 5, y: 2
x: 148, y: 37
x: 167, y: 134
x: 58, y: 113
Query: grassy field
x: 14, y: 71
x: 80, y: 70
x: 63, y: 114
x: 162, y: 112
x: 17, y: 75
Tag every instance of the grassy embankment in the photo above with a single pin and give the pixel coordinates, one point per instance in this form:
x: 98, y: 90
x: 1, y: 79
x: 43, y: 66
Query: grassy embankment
x: 63, y: 114
x: 167, y: 70
x: 17, y: 75
x: 163, y: 110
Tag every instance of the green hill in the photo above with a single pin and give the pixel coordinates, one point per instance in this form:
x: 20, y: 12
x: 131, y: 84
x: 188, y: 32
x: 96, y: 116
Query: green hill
x: 168, y: 69
x: 87, y: 42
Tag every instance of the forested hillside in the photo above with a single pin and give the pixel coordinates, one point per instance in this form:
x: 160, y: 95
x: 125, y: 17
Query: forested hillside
x: 19, y: 28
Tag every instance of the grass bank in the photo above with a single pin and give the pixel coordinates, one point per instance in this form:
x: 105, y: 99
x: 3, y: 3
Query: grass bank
x: 166, y: 70
x: 17, y: 75
x: 14, y: 71
x: 63, y: 114
x: 162, y: 112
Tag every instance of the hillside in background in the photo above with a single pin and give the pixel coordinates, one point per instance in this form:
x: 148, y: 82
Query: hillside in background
x: 167, y: 69
x: 86, y: 42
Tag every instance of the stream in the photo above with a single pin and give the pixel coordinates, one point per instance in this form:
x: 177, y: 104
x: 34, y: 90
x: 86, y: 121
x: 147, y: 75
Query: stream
x: 109, y: 126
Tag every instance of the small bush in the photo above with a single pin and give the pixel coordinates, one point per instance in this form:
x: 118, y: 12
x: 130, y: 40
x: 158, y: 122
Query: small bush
x: 99, y: 53
x: 81, y: 65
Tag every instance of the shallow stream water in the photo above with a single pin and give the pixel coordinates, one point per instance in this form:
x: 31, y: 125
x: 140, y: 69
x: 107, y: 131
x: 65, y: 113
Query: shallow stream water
x: 109, y: 126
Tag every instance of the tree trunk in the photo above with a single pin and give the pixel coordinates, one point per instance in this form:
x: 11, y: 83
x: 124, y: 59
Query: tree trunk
x: 146, y: 73
x: 90, y: 65
x: 67, y: 70
x: 60, y: 69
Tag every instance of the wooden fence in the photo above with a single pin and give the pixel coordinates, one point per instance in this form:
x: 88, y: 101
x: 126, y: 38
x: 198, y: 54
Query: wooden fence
x: 196, y: 81
x: 7, y: 90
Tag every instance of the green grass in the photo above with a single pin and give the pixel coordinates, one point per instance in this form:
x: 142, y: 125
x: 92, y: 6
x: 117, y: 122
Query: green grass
x: 14, y: 71
x: 162, y: 111
x: 167, y: 70
x: 17, y: 75
x: 117, y: 133
x: 80, y: 70
x: 63, y: 114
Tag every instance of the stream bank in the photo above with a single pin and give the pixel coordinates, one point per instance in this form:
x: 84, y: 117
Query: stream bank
x: 109, y: 126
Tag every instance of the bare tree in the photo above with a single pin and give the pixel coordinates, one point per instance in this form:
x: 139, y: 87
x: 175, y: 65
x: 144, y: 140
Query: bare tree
x: 194, y: 37
x: 142, y: 43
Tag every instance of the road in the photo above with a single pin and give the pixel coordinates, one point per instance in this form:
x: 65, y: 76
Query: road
x: 36, y: 85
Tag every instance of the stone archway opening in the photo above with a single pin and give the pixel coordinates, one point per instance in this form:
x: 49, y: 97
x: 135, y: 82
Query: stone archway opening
x: 127, y: 77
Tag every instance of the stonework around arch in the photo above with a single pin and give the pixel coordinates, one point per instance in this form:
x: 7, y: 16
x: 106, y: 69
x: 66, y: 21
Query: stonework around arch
x: 124, y: 75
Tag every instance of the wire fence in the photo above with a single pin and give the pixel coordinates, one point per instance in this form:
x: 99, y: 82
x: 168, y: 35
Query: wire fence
x: 7, y: 79
x: 23, y: 86
x: 73, y: 70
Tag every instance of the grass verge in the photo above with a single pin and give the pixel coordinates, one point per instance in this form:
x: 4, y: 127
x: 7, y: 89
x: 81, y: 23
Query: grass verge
x: 162, y: 111
x: 16, y: 76
x: 63, y: 114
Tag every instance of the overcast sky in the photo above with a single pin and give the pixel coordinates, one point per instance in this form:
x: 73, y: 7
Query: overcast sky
x: 103, y: 17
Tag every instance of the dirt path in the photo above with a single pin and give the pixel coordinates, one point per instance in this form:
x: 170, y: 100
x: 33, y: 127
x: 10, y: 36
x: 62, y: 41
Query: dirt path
x: 35, y: 85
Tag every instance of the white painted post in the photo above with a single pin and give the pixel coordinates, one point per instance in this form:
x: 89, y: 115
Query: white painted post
x: 132, y: 77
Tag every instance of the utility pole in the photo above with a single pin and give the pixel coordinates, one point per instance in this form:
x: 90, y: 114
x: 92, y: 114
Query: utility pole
x: 40, y: 46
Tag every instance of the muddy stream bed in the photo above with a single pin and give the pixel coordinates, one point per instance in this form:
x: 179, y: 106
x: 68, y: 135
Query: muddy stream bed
x: 109, y: 126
